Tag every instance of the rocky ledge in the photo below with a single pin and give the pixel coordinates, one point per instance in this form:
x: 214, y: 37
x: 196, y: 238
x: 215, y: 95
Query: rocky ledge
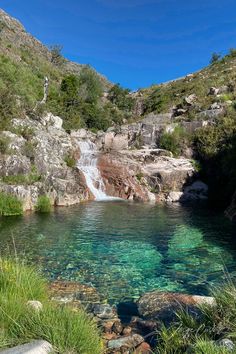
x: 41, y: 159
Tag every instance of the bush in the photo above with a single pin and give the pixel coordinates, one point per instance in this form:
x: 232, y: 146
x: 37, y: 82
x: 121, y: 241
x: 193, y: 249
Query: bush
x: 215, y: 58
x: 22, y: 179
x: 10, y: 205
x: 43, y: 204
x: 70, y: 161
x: 4, y: 144
x: 174, y: 141
x: 68, y: 331
x: 121, y: 98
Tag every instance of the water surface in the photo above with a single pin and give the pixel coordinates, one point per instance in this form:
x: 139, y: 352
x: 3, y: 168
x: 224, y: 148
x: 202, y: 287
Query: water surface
x: 125, y: 249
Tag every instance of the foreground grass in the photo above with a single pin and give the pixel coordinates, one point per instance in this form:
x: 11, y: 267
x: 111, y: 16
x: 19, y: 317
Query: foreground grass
x: 68, y: 331
x: 199, y: 333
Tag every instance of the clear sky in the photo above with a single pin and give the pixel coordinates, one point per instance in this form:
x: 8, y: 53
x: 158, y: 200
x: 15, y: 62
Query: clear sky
x: 133, y: 42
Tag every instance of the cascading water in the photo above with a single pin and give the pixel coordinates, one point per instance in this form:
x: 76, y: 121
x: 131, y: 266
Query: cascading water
x: 88, y: 165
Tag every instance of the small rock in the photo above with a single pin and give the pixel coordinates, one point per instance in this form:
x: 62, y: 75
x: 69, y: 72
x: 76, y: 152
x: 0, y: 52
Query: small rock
x: 215, y: 105
x: 117, y: 327
x: 226, y: 343
x: 213, y: 91
x: 35, y: 305
x: 127, y: 331
x: 107, y: 326
x: 190, y: 99
x: 143, y: 348
x: 104, y: 311
x: 109, y: 336
x: 34, y: 347
x: 128, y: 342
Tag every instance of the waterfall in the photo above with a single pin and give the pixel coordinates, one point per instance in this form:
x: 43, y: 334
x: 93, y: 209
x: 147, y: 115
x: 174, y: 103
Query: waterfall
x: 88, y: 165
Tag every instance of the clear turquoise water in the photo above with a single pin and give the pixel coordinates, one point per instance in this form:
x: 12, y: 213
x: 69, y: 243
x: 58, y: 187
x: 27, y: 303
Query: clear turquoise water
x: 125, y: 249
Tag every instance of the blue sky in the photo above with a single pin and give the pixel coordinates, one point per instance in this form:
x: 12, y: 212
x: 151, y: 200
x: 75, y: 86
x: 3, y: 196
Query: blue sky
x: 133, y: 42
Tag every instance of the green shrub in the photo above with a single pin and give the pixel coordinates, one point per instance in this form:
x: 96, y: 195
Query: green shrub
x: 68, y: 331
x: 4, y: 144
x: 70, y: 161
x: 10, y: 205
x: 43, y: 204
x: 22, y: 179
x: 29, y: 149
x: 174, y: 141
x: 215, y: 58
x: 121, y: 98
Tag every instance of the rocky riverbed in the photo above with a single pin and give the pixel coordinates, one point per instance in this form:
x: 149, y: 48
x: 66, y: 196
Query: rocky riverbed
x: 130, y: 327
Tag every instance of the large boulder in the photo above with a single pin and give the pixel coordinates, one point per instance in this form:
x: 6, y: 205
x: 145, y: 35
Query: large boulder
x: 34, y: 347
x: 162, y: 306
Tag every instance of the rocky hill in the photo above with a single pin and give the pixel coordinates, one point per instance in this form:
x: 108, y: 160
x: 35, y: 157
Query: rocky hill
x: 160, y: 143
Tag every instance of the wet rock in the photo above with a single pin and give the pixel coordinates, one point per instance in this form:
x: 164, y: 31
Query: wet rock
x: 143, y: 348
x: 35, y: 305
x: 127, y: 331
x: 161, y: 306
x: 34, y: 347
x: 128, y: 342
x: 117, y: 327
x: 107, y: 326
x: 104, y: 311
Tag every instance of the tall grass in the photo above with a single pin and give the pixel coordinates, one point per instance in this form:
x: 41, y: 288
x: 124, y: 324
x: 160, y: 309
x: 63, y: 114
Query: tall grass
x: 68, y: 331
x: 199, y: 333
x: 10, y: 205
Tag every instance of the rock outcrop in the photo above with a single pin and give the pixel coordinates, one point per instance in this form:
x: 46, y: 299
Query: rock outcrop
x: 36, y: 164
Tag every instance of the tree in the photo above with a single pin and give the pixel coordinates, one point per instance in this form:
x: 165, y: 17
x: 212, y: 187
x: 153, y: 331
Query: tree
x: 121, y: 98
x: 90, y: 87
x: 215, y: 58
x: 69, y: 90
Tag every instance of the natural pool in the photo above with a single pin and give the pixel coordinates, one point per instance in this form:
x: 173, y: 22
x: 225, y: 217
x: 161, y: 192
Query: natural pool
x: 124, y: 249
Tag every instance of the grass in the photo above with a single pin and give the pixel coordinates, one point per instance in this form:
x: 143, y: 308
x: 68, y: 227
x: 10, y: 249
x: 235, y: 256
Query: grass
x: 43, y: 204
x: 199, y: 334
x: 10, y: 205
x: 68, y: 331
x: 70, y: 161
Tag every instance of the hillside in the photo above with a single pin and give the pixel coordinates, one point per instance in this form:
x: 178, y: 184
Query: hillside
x: 76, y: 92
x: 193, y: 117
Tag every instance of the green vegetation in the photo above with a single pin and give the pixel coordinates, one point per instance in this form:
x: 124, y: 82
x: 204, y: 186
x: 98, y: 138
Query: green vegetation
x: 215, y: 146
x: 121, y: 98
x: 4, y: 143
x: 215, y: 58
x: 70, y: 161
x: 10, y: 205
x: 43, y: 204
x: 174, y: 141
x: 199, y: 333
x: 67, y: 330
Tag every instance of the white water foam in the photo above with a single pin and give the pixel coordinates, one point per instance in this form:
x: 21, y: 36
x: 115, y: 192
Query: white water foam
x: 88, y: 165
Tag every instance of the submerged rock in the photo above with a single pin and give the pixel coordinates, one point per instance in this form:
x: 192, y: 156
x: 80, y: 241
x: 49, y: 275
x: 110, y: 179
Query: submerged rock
x: 104, y: 311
